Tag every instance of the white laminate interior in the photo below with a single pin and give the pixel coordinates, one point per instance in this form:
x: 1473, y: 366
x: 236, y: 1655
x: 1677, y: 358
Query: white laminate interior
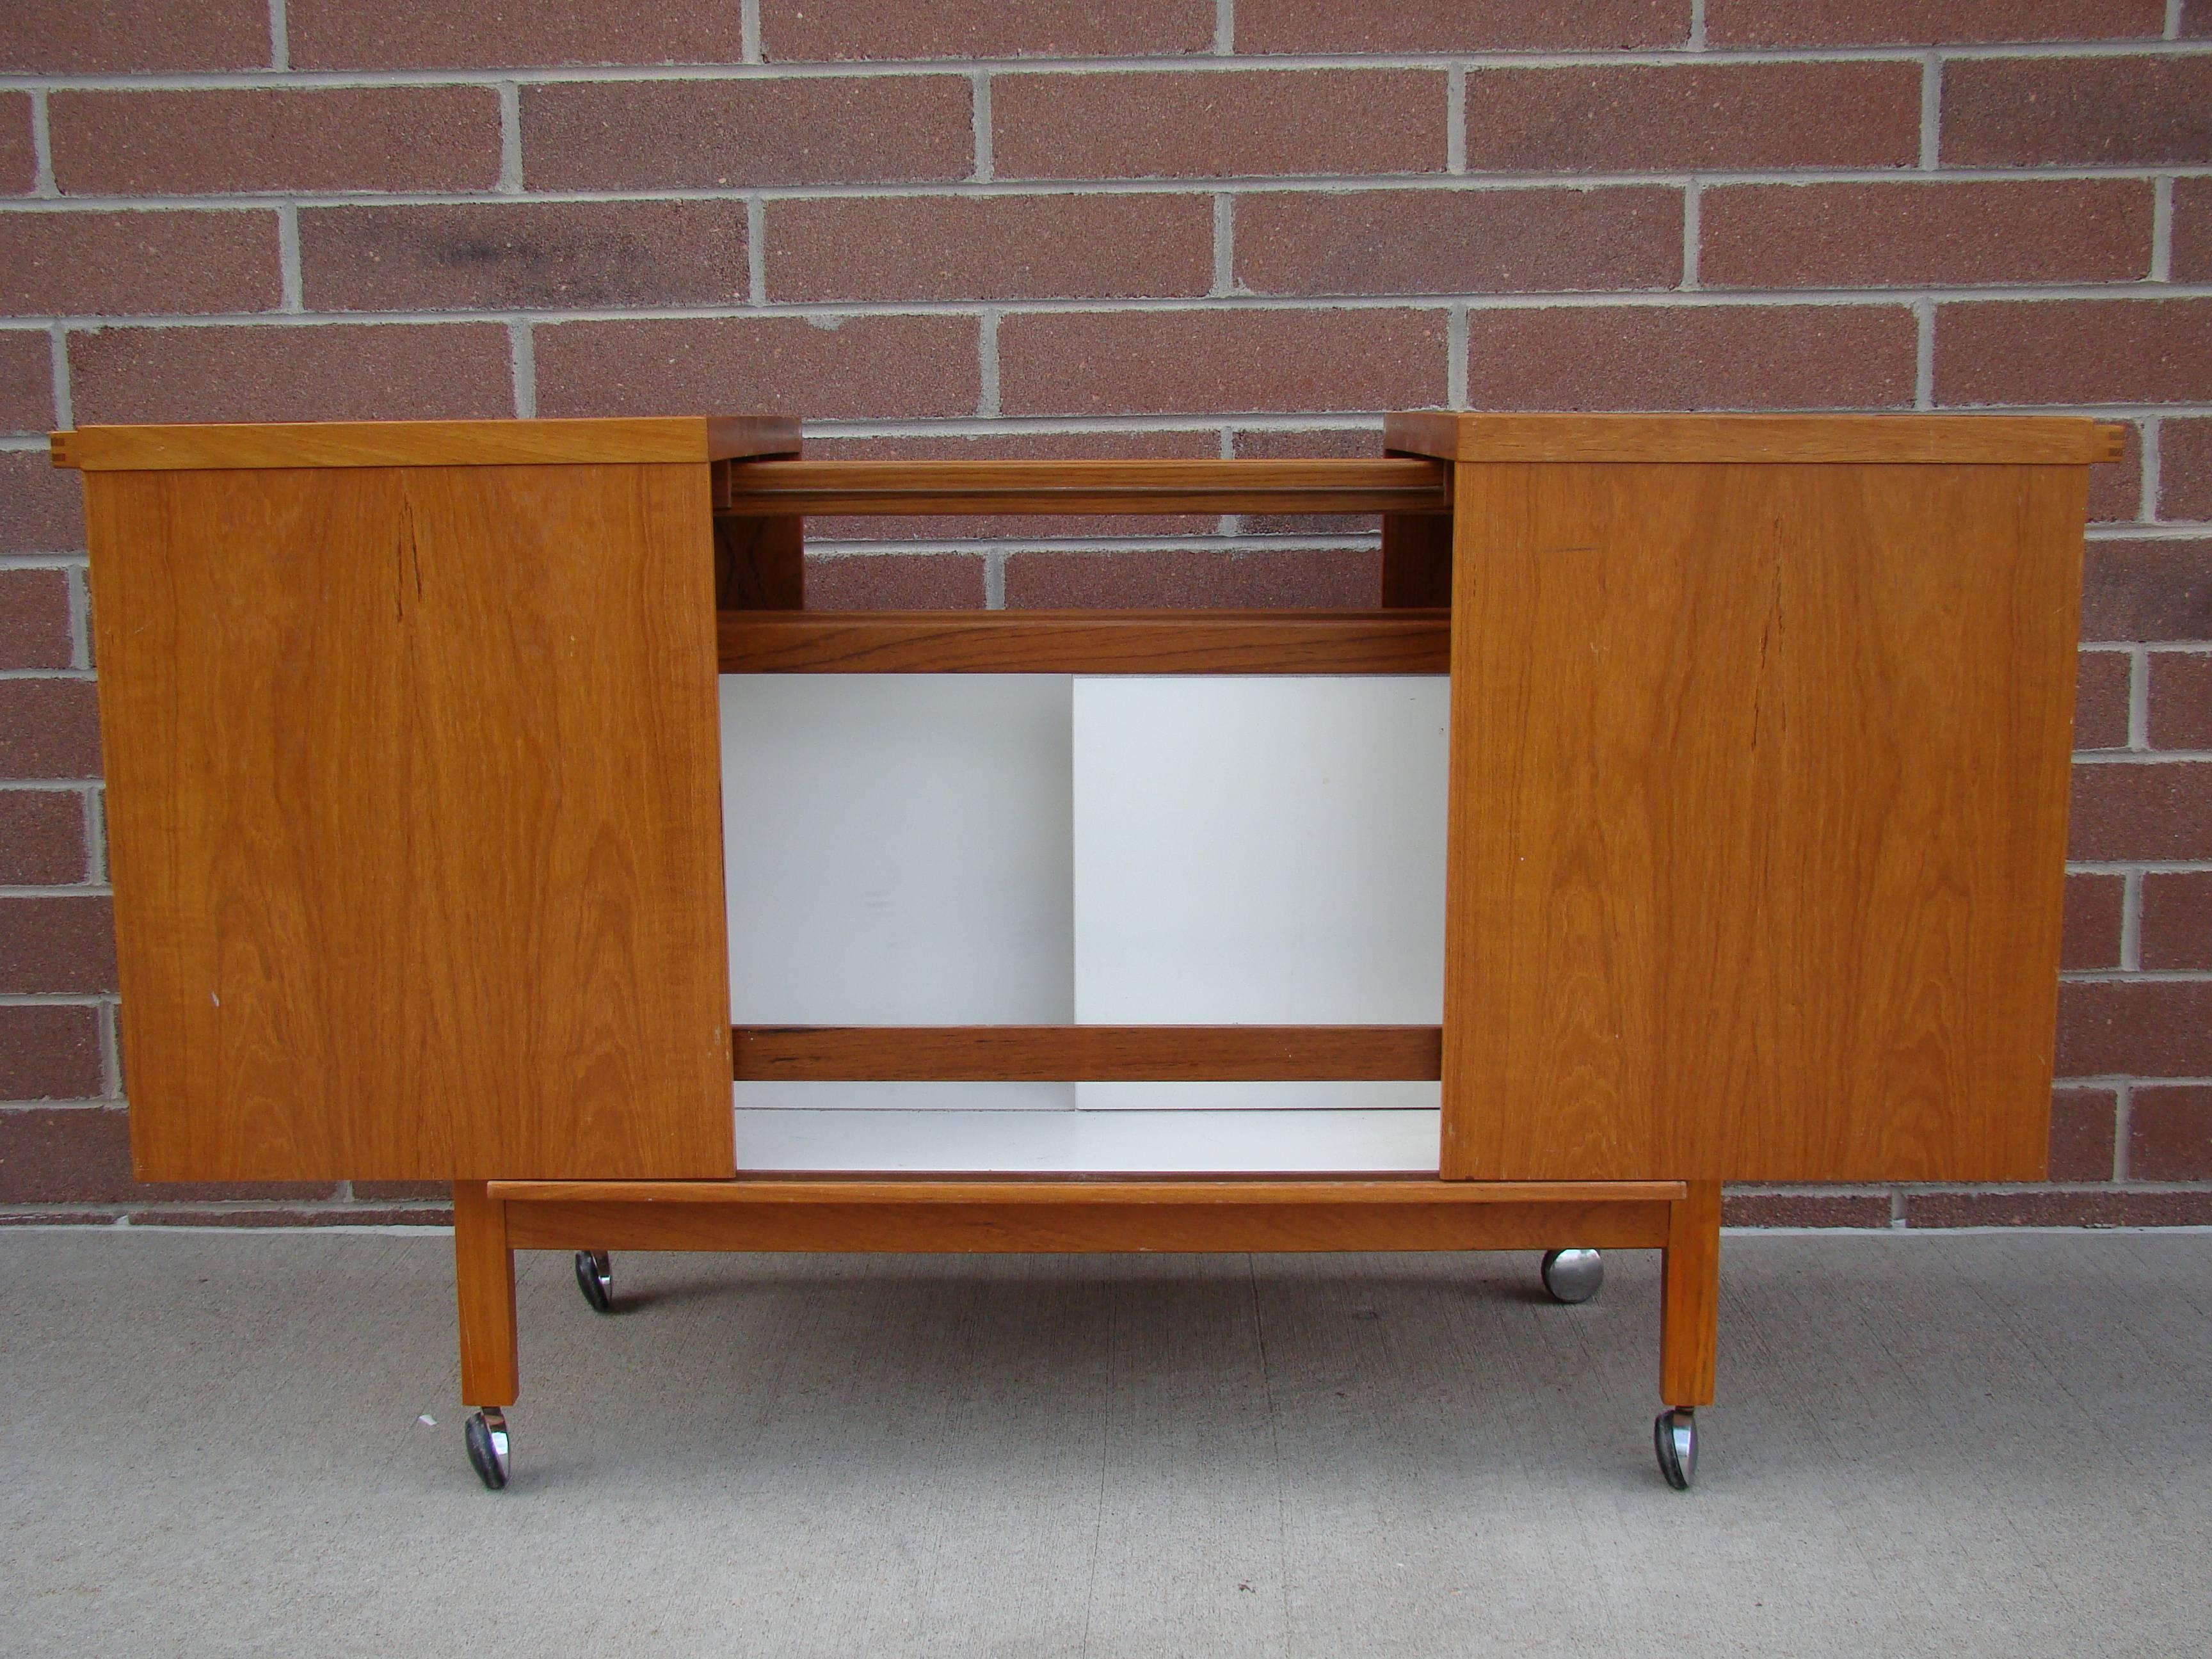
x: 1034, y: 849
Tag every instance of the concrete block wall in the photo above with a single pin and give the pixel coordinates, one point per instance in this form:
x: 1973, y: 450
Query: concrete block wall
x: 1167, y: 227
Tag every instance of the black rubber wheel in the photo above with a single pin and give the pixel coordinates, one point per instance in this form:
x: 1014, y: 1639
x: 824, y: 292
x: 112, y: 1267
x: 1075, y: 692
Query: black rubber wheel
x: 485, y: 1436
x: 595, y: 1277
x: 1675, y: 1437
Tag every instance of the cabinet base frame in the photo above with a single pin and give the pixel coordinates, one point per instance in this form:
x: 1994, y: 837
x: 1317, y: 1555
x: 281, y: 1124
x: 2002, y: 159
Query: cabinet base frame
x: 492, y: 1220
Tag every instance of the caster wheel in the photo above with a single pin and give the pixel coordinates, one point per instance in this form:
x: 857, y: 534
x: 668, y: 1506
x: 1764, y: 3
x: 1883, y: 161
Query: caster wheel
x: 1674, y: 1437
x: 1573, y: 1275
x: 485, y: 1433
x: 595, y: 1276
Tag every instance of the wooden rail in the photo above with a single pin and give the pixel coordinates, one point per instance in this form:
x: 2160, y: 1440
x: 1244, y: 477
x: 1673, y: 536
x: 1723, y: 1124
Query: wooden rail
x: 1086, y: 642
x: 1090, y: 1054
x: 780, y: 488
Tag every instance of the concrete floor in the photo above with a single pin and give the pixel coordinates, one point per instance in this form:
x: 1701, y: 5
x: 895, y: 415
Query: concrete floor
x: 1962, y: 1445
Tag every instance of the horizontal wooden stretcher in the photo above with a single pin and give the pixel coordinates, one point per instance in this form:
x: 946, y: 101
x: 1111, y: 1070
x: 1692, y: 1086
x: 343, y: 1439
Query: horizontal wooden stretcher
x: 1758, y: 749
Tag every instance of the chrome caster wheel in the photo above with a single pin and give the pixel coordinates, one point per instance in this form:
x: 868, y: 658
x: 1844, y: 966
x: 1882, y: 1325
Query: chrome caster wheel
x: 1573, y: 1275
x: 595, y: 1277
x: 1674, y: 1437
x: 485, y: 1433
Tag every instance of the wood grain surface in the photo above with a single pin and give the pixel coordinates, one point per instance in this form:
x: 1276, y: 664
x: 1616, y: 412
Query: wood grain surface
x: 2003, y: 439
x: 484, y: 1295
x: 423, y: 443
x: 1757, y: 846
x: 1086, y: 642
x: 1096, y: 1054
x: 1083, y: 1215
x: 1384, y: 484
x: 1690, y: 1298
x: 415, y: 819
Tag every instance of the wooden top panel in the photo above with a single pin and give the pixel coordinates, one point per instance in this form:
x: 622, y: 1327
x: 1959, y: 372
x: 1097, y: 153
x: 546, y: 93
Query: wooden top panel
x: 2014, y: 439
x: 422, y: 443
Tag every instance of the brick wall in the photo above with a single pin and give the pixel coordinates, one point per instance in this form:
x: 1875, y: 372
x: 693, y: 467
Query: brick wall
x: 1166, y: 227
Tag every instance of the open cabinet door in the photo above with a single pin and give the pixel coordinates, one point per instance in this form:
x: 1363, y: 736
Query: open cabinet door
x: 413, y: 796
x: 1761, y: 732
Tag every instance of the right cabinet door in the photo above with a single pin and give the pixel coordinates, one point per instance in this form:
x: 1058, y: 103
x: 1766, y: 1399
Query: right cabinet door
x: 1757, y: 842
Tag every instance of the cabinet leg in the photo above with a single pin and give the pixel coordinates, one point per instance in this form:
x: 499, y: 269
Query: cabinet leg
x: 1689, y: 1305
x: 483, y: 1278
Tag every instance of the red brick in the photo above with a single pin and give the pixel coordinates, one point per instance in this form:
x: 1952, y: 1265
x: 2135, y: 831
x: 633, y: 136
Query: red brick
x: 1712, y: 116
x: 862, y: 367
x: 2138, y: 111
x: 1329, y: 25
x: 434, y: 1191
x: 2093, y: 922
x: 2195, y: 19
x: 2083, y: 1123
x: 65, y: 943
x: 2185, y: 484
x: 896, y: 581
x: 2180, y: 700
x: 2134, y: 1028
x: 818, y: 31
x: 80, y: 1155
x: 2191, y: 260
x: 1914, y: 22
x: 2116, y: 487
x: 2101, y: 682
x: 41, y: 839
x: 334, y: 371
x: 496, y: 257
x: 627, y: 135
x: 1014, y: 446
x: 1836, y: 1209
x: 66, y: 37
x: 1217, y: 124
x: 234, y: 139
x: 343, y: 35
x: 1692, y: 357
x: 34, y: 619
x: 1236, y: 578
x: 2159, y: 589
x: 26, y: 380
x: 82, y: 264
x: 19, y: 161
x: 2074, y: 230
x: 49, y: 728
x: 2170, y: 1134
x: 2177, y: 920
x: 2108, y: 1207
x: 1457, y: 241
x: 49, y: 1051
x: 991, y: 247
x: 1204, y: 362
x: 1361, y: 443
x: 41, y: 505
x: 2152, y: 810
x: 2075, y: 351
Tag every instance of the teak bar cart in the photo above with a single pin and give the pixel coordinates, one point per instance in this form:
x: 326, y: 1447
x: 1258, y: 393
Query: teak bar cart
x: 1759, y: 742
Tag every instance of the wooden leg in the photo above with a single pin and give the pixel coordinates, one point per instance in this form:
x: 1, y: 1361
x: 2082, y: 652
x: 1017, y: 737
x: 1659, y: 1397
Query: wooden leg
x: 483, y: 1278
x: 1690, y: 1298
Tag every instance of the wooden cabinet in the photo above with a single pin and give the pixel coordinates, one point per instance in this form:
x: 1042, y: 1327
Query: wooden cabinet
x: 1758, y: 734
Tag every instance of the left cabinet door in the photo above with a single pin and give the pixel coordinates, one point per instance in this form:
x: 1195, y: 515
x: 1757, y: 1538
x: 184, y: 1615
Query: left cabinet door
x: 415, y: 820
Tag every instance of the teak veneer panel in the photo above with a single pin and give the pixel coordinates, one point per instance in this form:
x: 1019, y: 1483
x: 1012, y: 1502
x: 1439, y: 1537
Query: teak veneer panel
x: 1386, y: 484
x: 860, y: 1214
x: 1955, y: 440
x: 1086, y: 642
x: 1096, y: 1054
x: 423, y: 443
x: 415, y: 819
x: 1757, y: 846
